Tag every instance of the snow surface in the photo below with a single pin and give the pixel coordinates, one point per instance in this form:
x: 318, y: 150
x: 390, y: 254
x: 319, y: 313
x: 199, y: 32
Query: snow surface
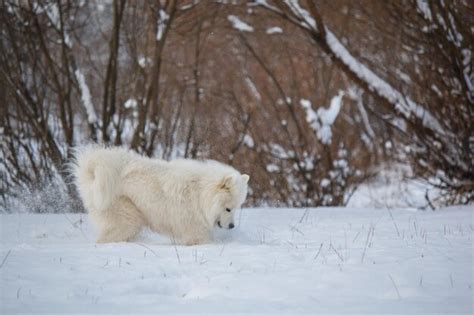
x: 394, y: 187
x: 319, y: 260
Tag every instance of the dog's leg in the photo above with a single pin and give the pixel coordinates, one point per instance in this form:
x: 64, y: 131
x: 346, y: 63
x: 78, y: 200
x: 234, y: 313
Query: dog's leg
x: 118, y: 234
x: 122, y: 223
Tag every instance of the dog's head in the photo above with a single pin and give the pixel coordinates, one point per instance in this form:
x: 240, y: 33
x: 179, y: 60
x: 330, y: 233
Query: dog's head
x: 231, y: 194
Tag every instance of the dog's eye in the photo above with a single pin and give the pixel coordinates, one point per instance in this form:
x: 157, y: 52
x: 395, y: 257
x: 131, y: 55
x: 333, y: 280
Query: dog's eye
x: 227, y: 209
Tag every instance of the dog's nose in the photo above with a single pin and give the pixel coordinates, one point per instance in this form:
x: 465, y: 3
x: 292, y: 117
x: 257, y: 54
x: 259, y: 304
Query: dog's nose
x: 231, y: 226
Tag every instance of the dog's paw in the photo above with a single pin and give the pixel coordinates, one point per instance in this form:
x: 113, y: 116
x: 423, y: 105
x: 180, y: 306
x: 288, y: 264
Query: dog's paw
x: 196, y: 241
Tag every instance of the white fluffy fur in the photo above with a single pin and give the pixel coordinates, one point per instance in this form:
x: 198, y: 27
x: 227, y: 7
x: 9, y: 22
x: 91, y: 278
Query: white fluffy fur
x: 184, y: 199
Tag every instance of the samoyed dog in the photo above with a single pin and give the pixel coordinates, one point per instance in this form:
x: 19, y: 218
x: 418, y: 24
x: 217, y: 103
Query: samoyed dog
x: 184, y: 199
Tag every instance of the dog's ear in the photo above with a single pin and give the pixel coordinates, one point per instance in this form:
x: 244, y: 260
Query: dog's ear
x: 227, y: 182
x: 246, y: 178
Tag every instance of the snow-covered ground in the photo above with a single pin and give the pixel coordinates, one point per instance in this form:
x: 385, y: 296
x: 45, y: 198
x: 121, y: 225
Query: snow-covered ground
x: 393, y: 186
x: 392, y: 193
x: 322, y: 260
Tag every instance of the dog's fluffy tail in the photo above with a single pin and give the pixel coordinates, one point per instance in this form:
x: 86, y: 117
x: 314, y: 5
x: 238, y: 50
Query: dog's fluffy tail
x: 97, y: 172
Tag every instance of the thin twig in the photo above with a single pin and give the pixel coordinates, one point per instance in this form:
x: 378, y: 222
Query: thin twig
x: 355, y: 237
x: 319, y: 251
x: 295, y: 229
x: 366, y: 243
x: 151, y: 250
x: 106, y: 263
x: 5, y: 258
x: 394, y: 223
x: 304, y: 215
x: 339, y: 255
x: 222, y: 250
x: 396, y: 288
x: 177, y: 254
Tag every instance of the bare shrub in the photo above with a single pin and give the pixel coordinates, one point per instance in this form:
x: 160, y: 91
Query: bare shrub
x: 179, y: 79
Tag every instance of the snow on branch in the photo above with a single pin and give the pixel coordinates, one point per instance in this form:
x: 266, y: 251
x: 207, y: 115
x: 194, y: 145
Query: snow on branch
x: 264, y: 4
x: 322, y: 120
x: 239, y: 24
x: 248, y: 141
x: 86, y: 97
x: 308, y: 21
x: 376, y: 84
x: 189, y: 6
x: 356, y: 94
x: 402, y: 103
x: 53, y: 14
x: 253, y: 88
x: 162, y: 23
x: 274, y: 30
x: 448, y: 24
x: 424, y: 8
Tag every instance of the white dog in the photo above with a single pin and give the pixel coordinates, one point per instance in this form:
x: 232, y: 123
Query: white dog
x: 184, y: 199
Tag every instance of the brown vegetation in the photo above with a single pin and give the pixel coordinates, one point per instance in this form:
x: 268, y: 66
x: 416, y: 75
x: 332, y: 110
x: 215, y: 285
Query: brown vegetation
x: 176, y: 79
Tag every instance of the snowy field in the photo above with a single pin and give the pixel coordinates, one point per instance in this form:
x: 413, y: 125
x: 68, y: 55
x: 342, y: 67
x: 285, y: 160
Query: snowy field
x: 321, y: 260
